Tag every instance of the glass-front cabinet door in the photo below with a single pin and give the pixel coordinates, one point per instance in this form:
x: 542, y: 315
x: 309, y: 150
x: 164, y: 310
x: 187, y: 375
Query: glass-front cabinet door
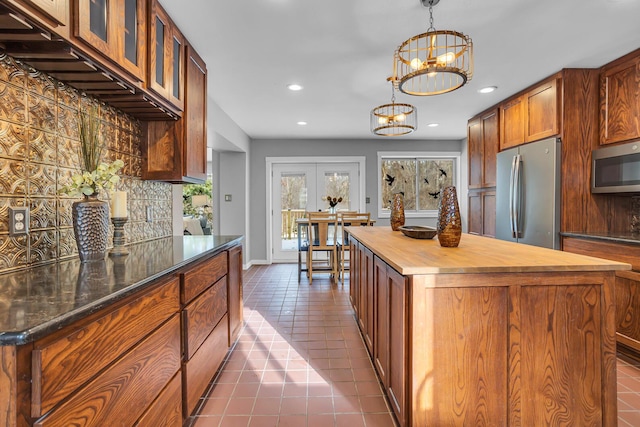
x: 116, y: 29
x: 166, y: 57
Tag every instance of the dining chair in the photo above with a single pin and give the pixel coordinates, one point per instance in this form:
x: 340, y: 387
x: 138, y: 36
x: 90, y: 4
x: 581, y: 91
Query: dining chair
x: 303, y: 241
x: 323, y: 238
x: 358, y: 219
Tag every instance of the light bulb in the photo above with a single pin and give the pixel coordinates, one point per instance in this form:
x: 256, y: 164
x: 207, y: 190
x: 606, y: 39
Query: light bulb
x: 446, y: 58
x: 382, y: 120
x: 416, y: 63
x: 400, y: 117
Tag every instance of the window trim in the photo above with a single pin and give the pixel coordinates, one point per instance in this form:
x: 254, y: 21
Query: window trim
x: 426, y: 155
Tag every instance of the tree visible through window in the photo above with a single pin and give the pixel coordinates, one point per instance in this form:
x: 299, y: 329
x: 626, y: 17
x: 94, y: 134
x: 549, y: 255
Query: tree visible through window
x: 419, y: 180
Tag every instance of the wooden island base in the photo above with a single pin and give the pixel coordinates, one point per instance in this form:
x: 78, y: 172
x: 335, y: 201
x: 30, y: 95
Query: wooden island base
x: 490, y: 333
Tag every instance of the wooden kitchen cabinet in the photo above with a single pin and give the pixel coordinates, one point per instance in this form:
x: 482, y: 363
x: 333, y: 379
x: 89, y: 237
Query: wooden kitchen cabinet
x: 620, y: 99
x: 56, y: 10
x: 627, y: 287
x: 365, y: 286
x: 166, y: 57
x: 532, y: 115
x: 381, y: 321
x: 482, y: 213
x: 483, y: 134
x: 117, y: 29
x: 354, y: 276
x: 398, y: 375
x: 176, y: 151
x: 234, y: 293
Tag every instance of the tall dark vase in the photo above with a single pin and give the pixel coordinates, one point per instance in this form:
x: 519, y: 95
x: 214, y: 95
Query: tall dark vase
x: 397, y: 212
x: 449, y: 222
x: 91, y: 227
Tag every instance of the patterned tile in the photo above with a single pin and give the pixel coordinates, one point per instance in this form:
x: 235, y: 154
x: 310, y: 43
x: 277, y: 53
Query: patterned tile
x: 42, y: 84
x: 68, y: 97
x: 10, y: 72
x: 42, y: 146
x: 64, y: 212
x: 13, y: 141
x: 67, y: 152
x: 42, y: 213
x: 68, y: 122
x: 66, y: 242
x: 43, y: 246
x: 13, y: 105
x: 42, y: 180
x: 42, y: 113
x: 13, y: 177
x: 13, y: 251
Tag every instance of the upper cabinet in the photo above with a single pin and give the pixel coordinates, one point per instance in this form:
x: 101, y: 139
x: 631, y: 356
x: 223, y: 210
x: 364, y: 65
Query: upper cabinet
x: 483, y: 136
x: 531, y: 116
x: 620, y: 99
x: 166, y: 57
x: 55, y: 10
x: 116, y: 29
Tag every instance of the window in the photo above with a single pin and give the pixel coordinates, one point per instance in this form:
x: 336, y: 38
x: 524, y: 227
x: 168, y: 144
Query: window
x: 419, y: 177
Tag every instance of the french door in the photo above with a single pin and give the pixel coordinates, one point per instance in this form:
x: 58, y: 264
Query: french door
x: 300, y: 187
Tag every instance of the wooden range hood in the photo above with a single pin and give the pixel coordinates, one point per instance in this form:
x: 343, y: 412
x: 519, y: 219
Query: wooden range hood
x: 43, y: 50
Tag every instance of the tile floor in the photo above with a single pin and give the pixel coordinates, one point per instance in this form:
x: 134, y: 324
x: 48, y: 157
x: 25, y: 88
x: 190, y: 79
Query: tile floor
x: 300, y: 362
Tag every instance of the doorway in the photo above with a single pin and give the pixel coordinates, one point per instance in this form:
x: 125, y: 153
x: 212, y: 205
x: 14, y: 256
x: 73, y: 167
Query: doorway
x: 300, y: 185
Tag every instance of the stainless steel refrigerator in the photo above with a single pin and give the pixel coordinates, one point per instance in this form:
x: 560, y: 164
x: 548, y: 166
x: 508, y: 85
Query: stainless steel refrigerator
x: 528, y: 194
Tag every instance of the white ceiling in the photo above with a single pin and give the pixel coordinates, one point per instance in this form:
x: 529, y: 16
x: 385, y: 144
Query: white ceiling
x: 341, y: 52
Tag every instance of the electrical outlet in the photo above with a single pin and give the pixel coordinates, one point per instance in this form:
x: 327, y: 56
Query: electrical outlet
x: 18, y: 220
x: 149, y: 213
x: 227, y: 197
x: 368, y: 200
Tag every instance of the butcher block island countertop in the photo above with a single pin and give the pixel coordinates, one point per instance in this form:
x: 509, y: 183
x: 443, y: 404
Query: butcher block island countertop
x: 490, y: 333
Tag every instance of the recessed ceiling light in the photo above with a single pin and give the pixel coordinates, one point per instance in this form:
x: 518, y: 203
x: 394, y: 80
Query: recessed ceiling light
x: 294, y: 87
x: 488, y: 89
x: 302, y: 123
x: 433, y: 125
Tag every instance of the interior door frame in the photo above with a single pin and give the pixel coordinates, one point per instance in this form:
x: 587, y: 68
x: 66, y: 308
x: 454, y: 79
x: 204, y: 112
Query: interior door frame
x: 270, y: 161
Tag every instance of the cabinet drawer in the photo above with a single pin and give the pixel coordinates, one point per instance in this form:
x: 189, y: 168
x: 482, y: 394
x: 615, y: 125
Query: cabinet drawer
x: 201, y: 276
x: 202, y: 315
x: 198, y: 372
x: 62, y: 366
x: 125, y: 389
x: 167, y: 409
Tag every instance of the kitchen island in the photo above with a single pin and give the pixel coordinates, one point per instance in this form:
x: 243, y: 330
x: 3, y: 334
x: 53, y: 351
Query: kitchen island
x: 129, y: 340
x: 490, y: 333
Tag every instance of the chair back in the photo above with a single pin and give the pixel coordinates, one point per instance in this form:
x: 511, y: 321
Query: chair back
x: 323, y: 228
x: 355, y: 219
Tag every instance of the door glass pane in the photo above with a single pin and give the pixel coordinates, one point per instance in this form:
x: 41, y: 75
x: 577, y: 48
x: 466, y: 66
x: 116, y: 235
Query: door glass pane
x: 335, y: 190
x: 159, y: 52
x: 98, y: 18
x: 131, y: 30
x: 176, y: 68
x: 293, y: 201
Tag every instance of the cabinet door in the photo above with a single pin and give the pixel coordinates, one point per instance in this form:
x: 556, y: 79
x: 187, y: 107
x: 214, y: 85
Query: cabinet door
x: 482, y: 213
x: 398, y: 374
x: 116, y: 29
x: 476, y: 153
x: 620, y: 101
x: 475, y: 213
x: 490, y: 146
x: 542, y: 111
x: 195, y: 118
x: 166, y: 57
x: 381, y: 321
x: 511, y: 123
x: 354, y: 275
x: 365, y: 313
x: 628, y: 308
x: 234, y: 280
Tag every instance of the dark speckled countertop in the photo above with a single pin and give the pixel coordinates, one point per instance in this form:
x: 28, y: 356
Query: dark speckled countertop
x: 634, y: 239
x: 39, y: 300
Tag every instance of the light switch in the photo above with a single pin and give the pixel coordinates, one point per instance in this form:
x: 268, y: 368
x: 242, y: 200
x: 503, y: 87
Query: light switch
x: 18, y: 220
x: 227, y: 197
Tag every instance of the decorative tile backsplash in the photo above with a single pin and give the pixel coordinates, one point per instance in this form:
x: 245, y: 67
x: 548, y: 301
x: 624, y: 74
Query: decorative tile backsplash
x: 38, y: 146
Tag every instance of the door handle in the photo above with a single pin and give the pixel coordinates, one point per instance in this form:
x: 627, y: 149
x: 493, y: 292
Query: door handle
x: 516, y: 196
x: 511, y: 198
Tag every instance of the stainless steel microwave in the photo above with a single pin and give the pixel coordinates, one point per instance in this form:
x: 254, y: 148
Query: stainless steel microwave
x: 616, y: 169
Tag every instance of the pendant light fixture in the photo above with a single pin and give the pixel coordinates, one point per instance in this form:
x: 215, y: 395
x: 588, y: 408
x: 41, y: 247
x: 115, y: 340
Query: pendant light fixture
x: 435, y: 62
x: 393, y: 119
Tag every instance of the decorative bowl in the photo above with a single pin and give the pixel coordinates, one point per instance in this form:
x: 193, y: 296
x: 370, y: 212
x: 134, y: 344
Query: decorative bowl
x: 418, y: 231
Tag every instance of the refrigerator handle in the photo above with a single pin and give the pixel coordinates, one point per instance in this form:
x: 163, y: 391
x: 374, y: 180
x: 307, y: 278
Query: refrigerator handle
x: 511, y: 198
x: 516, y: 196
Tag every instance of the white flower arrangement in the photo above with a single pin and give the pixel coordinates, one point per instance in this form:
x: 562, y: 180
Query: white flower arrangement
x: 94, y: 175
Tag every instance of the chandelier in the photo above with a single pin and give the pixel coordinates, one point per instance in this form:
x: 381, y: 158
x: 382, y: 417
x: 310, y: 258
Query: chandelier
x: 435, y: 62
x: 393, y: 119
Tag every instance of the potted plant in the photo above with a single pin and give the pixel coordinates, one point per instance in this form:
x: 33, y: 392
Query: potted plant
x: 91, y: 215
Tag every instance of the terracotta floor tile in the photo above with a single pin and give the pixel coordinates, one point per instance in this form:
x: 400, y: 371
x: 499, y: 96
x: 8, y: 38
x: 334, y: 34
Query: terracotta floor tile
x: 300, y: 361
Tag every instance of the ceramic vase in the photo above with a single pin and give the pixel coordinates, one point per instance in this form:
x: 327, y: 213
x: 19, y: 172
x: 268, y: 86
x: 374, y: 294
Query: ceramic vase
x: 397, y: 212
x: 449, y: 222
x: 91, y: 227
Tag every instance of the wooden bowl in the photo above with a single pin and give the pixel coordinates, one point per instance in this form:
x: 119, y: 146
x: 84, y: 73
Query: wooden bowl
x: 418, y: 231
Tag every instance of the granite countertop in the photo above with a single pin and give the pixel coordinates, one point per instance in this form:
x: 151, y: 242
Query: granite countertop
x: 611, y: 237
x: 39, y: 300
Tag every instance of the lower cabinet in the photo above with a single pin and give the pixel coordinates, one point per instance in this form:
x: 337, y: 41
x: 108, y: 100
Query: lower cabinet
x: 482, y: 212
x: 627, y: 289
x: 143, y: 361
